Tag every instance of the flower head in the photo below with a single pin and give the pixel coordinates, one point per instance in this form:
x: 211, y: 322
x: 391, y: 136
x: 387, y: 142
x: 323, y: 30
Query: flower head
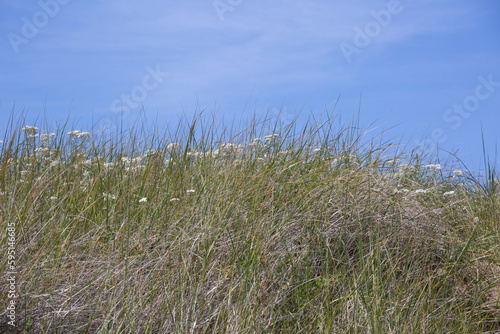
x: 30, y: 129
x: 257, y: 143
x: 43, y: 150
x: 45, y: 138
x: 108, y: 196
x: 231, y: 148
x: 143, y: 200
x: 433, y: 166
x: 270, y: 137
x: 173, y: 146
x: 83, y: 134
x: 78, y: 134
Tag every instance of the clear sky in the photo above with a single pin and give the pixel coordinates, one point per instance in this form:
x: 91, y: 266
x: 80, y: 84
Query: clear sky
x: 428, y: 70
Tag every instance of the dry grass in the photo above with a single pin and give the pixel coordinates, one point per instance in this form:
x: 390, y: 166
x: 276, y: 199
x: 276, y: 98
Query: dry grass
x: 271, y: 236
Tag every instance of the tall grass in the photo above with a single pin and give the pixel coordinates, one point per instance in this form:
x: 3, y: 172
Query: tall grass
x: 271, y: 229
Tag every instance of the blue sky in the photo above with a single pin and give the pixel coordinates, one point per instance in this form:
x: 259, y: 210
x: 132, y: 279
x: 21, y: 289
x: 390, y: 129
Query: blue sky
x: 427, y: 70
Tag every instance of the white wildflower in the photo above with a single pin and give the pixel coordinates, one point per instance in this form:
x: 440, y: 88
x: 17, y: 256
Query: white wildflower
x: 53, y: 198
x: 449, y: 193
x: 108, y: 165
x: 231, y: 148
x: 143, y: 200
x: 83, y: 135
x: 257, y: 143
x: 420, y: 191
x: 43, y: 150
x: 433, y: 166
x: 270, y: 137
x: 45, y: 138
x: 74, y: 133
x: 190, y: 191
x: 30, y: 129
x: 458, y: 172
x: 316, y: 150
x: 174, y: 199
x: 173, y: 146
x: 108, y: 196
x: 194, y: 154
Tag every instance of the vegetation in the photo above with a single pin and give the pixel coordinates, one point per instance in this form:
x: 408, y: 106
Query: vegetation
x: 271, y: 229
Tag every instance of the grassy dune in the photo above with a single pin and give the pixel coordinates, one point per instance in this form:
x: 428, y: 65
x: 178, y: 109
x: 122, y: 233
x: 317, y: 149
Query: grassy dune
x: 272, y: 229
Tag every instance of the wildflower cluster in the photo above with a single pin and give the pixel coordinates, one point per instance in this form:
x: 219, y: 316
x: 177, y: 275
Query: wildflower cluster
x: 261, y: 150
x: 30, y: 130
x: 78, y: 134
